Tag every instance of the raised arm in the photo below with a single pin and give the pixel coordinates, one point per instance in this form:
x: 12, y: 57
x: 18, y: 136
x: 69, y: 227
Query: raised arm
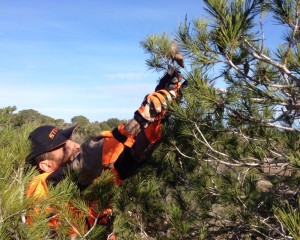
x: 155, y: 104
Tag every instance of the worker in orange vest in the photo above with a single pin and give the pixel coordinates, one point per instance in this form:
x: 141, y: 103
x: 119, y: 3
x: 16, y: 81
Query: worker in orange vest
x: 122, y: 150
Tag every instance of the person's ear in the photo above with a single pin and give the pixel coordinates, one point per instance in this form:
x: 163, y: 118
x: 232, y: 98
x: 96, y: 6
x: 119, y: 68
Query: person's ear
x: 46, y: 165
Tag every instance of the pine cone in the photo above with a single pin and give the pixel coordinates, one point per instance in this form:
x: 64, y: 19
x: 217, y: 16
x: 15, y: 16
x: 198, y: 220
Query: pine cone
x: 179, y: 59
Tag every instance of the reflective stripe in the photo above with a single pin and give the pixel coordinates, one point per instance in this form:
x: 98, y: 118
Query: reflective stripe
x: 166, y: 93
x: 161, y: 97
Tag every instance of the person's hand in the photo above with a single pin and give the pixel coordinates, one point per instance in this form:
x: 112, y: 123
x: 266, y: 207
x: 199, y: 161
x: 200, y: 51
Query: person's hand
x: 170, y: 81
x: 154, y: 105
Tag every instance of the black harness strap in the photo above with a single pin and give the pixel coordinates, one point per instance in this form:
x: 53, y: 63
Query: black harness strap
x: 117, y: 135
x: 126, y: 165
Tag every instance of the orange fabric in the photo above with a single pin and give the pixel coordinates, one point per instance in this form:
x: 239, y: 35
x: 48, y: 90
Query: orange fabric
x: 154, y: 131
x: 112, y: 236
x: 160, y: 97
x: 166, y: 93
x: 112, y: 148
x: 155, y: 102
x: 141, y: 109
x: 101, y: 217
x: 38, y: 189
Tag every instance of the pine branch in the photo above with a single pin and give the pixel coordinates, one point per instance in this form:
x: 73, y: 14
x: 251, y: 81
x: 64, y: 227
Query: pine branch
x: 262, y: 57
x: 2, y: 220
x: 236, y: 164
x: 74, y: 228
x: 281, y: 127
x: 36, y: 204
x: 205, y: 141
x: 181, y: 153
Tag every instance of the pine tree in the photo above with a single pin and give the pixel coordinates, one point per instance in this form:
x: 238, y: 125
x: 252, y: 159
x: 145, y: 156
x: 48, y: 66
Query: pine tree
x: 229, y: 164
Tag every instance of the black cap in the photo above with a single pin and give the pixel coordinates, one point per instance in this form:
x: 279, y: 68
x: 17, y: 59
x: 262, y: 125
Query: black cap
x: 46, y: 138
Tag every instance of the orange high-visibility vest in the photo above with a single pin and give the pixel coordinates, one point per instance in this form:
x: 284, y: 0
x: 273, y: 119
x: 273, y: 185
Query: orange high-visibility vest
x: 112, y: 147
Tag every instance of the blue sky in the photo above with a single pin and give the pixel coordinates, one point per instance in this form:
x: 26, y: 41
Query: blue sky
x: 69, y: 58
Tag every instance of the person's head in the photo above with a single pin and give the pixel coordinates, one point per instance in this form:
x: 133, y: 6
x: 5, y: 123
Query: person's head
x: 52, y: 148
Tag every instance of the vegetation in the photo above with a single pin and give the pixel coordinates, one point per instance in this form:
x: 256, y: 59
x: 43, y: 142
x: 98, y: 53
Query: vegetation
x: 228, y: 165
x: 14, y: 147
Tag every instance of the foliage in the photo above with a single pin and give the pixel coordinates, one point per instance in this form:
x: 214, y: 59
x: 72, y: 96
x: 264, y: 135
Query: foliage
x: 228, y: 165
x: 229, y: 159
x: 14, y: 147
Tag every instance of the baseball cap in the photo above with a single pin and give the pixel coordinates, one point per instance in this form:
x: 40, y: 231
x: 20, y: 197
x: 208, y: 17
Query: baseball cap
x: 46, y: 138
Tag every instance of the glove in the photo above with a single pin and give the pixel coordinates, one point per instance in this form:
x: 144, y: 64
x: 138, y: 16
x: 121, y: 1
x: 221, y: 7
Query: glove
x: 153, y: 106
x: 170, y: 81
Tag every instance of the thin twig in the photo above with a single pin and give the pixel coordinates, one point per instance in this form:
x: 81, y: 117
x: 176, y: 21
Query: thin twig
x: 207, y: 144
x: 181, y: 153
x: 262, y: 57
